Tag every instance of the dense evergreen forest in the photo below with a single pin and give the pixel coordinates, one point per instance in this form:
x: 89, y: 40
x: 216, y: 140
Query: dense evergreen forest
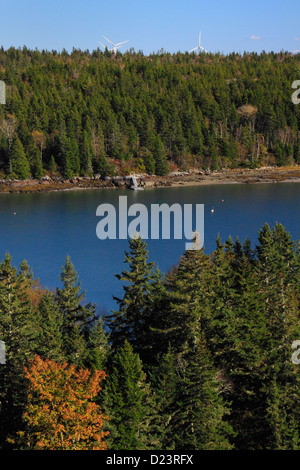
x: 197, y: 358
x: 95, y: 113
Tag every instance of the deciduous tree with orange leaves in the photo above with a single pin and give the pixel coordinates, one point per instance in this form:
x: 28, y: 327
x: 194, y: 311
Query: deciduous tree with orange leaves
x: 61, y: 413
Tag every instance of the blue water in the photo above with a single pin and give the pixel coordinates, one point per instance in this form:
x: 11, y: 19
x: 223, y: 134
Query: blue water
x: 45, y: 228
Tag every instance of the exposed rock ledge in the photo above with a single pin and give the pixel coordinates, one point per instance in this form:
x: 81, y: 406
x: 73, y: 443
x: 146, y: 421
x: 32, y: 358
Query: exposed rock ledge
x: 188, y: 178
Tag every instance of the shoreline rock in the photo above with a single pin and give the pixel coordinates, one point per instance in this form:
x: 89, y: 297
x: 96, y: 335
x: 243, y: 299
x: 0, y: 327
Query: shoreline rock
x: 184, y: 178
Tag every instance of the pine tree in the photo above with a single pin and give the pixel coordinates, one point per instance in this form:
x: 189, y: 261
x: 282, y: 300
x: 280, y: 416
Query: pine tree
x: 242, y: 364
x: 50, y: 341
x: 221, y: 301
x: 26, y: 274
x: 52, y: 165
x: 129, y: 321
x: 37, y: 166
x: 278, y: 272
x: 17, y: 330
x: 252, y: 330
x: 63, y: 148
x: 164, y: 382
x: 130, y: 404
x: 101, y: 164
x: 155, y: 342
x: 188, y: 311
x: 149, y: 162
x: 74, y: 156
x: 200, y: 419
x: 76, y: 316
x: 87, y: 155
x: 98, y: 345
x: 19, y: 162
x: 162, y: 166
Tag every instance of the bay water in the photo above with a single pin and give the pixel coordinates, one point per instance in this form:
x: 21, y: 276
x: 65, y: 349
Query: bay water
x: 44, y: 228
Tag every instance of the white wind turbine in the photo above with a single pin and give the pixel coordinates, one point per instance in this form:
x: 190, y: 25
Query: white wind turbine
x: 199, y: 47
x: 115, y: 46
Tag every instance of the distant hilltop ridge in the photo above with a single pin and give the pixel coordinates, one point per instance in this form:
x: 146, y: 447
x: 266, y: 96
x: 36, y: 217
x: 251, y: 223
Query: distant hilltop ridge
x: 102, y: 114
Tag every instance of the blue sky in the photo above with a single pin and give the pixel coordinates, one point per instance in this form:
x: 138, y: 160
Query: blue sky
x: 152, y: 25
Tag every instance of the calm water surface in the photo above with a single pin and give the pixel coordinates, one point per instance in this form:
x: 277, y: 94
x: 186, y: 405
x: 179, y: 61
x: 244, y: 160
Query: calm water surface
x: 45, y: 228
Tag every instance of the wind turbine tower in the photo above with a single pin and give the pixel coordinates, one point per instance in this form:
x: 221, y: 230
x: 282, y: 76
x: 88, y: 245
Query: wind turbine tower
x: 199, y: 47
x: 115, y: 46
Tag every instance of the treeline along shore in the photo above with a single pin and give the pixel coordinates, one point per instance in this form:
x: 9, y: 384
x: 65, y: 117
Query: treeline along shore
x: 81, y: 114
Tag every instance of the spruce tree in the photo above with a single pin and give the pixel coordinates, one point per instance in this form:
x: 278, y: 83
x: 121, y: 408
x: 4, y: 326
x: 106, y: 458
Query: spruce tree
x: 50, y: 341
x: 188, y: 311
x: 97, y: 345
x: 162, y: 166
x: 129, y: 403
x: 221, y: 300
x: 278, y: 272
x: 129, y: 322
x: 86, y: 155
x: 26, y: 274
x: 242, y: 365
x: 155, y: 342
x: 63, y: 149
x: 19, y: 162
x: 52, y: 165
x: 200, y: 421
x: 149, y: 162
x: 17, y: 330
x: 37, y: 166
x: 164, y: 382
x: 74, y: 156
x: 76, y: 316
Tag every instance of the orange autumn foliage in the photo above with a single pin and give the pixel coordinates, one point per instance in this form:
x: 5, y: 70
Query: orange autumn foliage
x: 61, y: 413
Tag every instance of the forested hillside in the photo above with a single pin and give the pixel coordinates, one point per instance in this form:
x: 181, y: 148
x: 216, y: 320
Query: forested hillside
x: 87, y: 113
x: 197, y: 358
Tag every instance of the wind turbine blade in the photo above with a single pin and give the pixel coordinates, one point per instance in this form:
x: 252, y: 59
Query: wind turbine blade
x: 119, y: 43
x: 199, y: 39
x: 102, y: 44
x: 203, y: 49
x: 109, y: 40
x: 193, y: 49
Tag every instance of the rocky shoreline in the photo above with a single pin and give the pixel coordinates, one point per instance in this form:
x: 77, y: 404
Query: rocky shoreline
x: 175, y: 179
